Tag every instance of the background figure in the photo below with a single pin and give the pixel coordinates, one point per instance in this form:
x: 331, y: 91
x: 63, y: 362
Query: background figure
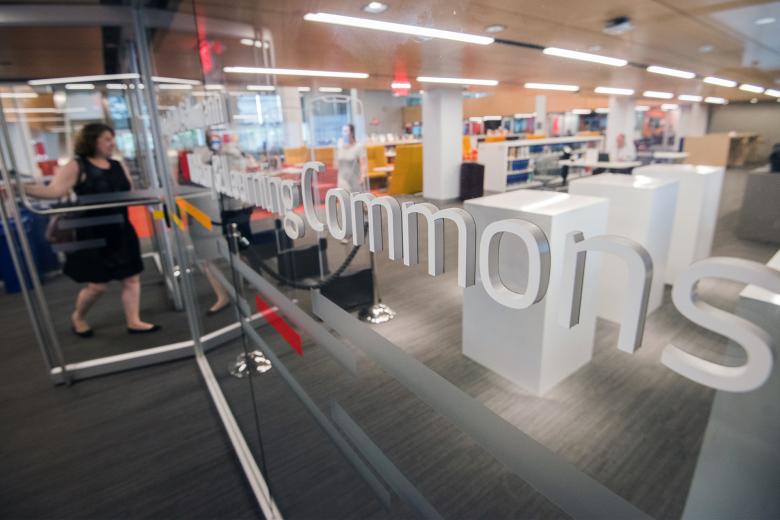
x: 348, y: 158
x: 119, y: 257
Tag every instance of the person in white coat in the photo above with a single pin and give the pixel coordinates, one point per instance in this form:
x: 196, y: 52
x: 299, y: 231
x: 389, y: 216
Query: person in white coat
x: 348, y: 159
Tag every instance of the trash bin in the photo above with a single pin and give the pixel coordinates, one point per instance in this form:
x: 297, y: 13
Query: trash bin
x: 43, y: 255
x: 472, y: 178
x: 10, y: 279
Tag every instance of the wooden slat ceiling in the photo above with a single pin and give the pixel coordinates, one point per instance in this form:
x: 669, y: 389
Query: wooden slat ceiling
x: 668, y: 33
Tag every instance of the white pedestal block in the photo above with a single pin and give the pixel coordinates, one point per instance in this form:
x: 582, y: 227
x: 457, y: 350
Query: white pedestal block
x: 642, y: 209
x: 696, y: 214
x: 528, y: 346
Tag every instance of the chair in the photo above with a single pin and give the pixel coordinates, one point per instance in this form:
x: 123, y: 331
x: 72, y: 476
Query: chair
x: 407, y: 175
x: 494, y: 138
x: 297, y: 155
x: 375, y: 156
x: 325, y: 155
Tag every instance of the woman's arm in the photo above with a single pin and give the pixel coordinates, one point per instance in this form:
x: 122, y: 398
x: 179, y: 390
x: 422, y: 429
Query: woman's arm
x: 64, y: 179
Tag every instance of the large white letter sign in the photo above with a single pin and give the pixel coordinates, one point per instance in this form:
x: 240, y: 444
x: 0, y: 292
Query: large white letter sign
x: 640, y: 277
x: 538, y: 262
x: 337, y: 201
x: 291, y: 222
x: 755, y: 340
x: 374, y: 205
x: 310, y: 169
x: 467, y: 239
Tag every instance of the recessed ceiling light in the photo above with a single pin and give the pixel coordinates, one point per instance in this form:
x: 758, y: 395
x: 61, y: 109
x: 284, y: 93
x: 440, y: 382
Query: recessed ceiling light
x: 602, y: 111
x: 400, y: 84
x: 614, y: 90
x: 79, y: 79
x: 79, y: 86
x: 261, y: 88
x: 495, y: 28
x: 304, y: 89
x: 669, y: 106
x: 657, y: 94
x: 330, y: 89
x: 751, y: 88
x: 295, y: 72
x: 584, y: 56
x: 414, y: 30
x: 375, y: 7
x: 21, y: 95
x: 720, y: 82
x: 641, y: 108
x: 689, y: 97
x: 214, y: 86
x: 754, y: 101
x: 772, y: 92
x: 704, y: 49
x: 116, y: 86
x: 458, y: 81
x: 666, y: 71
x: 765, y: 21
x: 552, y: 86
x: 174, y: 86
x: 581, y: 111
x: 715, y: 100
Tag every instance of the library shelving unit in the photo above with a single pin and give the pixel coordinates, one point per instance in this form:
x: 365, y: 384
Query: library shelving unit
x: 510, y: 165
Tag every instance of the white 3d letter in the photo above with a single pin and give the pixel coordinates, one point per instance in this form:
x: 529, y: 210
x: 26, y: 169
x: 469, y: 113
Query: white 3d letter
x: 755, y: 340
x: 374, y: 206
x: 538, y: 262
x: 640, y: 275
x: 310, y: 170
x: 337, y: 201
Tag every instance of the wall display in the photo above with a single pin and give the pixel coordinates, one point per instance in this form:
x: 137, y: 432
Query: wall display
x: 280, y: 197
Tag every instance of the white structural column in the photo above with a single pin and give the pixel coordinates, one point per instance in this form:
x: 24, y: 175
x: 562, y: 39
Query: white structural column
x: 540, y: 115
x: 620, y: 120
x: 693, y: 121
x: 442, y: 113
x: 292, y: 116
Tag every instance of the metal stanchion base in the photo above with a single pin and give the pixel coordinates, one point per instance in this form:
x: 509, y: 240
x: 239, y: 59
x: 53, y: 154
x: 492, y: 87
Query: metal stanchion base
x: 252, y: 363
x: 377, y: 313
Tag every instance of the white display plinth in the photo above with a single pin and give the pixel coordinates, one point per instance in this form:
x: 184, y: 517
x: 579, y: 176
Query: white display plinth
x: 529, y: 347
x: 696, y: 214
x: 642, y: 209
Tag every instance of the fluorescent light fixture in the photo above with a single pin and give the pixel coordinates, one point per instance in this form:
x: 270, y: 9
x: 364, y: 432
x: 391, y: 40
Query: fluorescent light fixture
x: 44, y: 110
x: 375, y: 7
x: 458, y: 81
x: 765, y: 21
x: 214, y: 87
x: 304, y: 89
x: 82, y: 79
x: 656, y: 94
x: 602, y: 111
x: 24, y: 95
x: 414, y: 30
x: 475, y: 119
x: 174, y: 86
x: 669, y: 106
x: 400, y: 84
x: 491, y: 118
x: 552, y: 86
x: 525, y: 116
x: 495, y: 28
x: 163, y: 79
x: 295, y: 72
x: 614, y: 90
x: 247, y: 41
x: 79, y: 86
x: 720, y: 82
x: 584, y: 56
x: 689, y: 97
x: 116, y: 86
x: 330, y: 89
x: 751, y: 88
x: 261, y: 88
x: 666, y: 71
x: 581, y: 111
x: 641, y: 108
x: 715, y: 100
x: 772, y: 92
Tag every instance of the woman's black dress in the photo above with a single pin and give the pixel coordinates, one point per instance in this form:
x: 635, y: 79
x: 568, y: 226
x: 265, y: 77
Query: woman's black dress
x: 120, y: 254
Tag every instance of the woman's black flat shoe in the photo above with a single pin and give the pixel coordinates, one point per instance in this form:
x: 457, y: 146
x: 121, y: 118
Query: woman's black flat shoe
x: 154, y: 328
x: 84, y: 334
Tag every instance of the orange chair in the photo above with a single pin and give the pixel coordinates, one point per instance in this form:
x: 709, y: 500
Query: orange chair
x: 325, y: 155
x: 495, y: 138
x: 407, y: 175
x: 297, y: 155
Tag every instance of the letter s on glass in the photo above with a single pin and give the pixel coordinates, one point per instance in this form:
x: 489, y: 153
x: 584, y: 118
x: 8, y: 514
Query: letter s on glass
x: 755, y: 340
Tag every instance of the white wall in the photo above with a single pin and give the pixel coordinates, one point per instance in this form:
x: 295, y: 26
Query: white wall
x: 762, y: 118
x: 386, y: 108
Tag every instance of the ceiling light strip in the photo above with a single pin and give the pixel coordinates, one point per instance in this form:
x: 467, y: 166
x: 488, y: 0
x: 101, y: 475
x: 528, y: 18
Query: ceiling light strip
x: 82, y: 79
x: 614, y: 90
x: 295, y: 72
x: 689, y: 97
x: 747, y: 87
x: 657, y: 94
x: 458, y: 81
x: 413, y: 30
x: 584, y: 56
x: 720, y: 82
x: 666, y: 71
x: 552, y: 86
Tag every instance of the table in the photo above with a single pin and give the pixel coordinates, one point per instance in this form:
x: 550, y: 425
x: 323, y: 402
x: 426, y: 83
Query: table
x: 669, y: 156
x: 528, y: 346
x: 642, y: 209
x: 614, y: 165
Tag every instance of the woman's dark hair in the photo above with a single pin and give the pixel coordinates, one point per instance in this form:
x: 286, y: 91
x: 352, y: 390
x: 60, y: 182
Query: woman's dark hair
x: 86, y: 142
x: 351, y: 130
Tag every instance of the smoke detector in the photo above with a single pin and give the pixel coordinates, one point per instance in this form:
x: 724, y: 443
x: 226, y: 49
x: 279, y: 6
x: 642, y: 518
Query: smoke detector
x: 618, y: 25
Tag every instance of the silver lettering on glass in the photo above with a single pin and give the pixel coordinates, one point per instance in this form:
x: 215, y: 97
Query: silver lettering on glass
x: 374, y: 206
x: 337, y: 209
x: 291, y: 222
x: 538, y: 262
x: 756, y: 342
x: 640, y: 276
x: 467, y: 239
x: 310, y: 170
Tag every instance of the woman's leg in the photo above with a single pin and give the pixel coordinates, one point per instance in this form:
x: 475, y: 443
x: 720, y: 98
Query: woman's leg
x: 87, y: 296
x: 219, y: 291
x: 131, y: 300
